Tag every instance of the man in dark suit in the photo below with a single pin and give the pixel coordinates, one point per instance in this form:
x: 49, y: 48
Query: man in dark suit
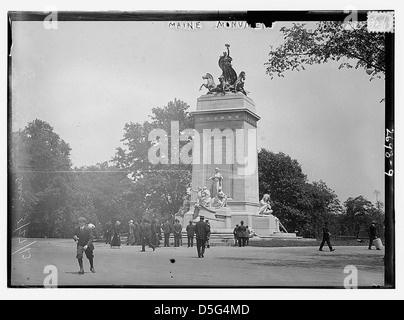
x: 167, y: 230
x: 177, y: 233
x: 242, y: 234
x: 372, y: 234
x: 202, y: 232
x: 326, y: 238
x: 108, y: 232
x: 146, y: 233
x: 83, y: 235
x: 190, y: 233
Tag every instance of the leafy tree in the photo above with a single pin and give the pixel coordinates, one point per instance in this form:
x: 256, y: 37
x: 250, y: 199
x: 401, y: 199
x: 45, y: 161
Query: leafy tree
x: 107, y: 188
x: 39, y: 160
x: 351, y: 43
x: 301, y: 206
x: 158, y: 188
x: 320, y: 205
x: 358, y: 216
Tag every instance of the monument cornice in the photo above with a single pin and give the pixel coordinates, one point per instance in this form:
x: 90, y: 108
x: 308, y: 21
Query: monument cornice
x: 236, y: 114
x: 227, y: 96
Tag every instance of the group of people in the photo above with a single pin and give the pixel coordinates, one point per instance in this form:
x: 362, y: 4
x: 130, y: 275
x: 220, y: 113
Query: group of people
x: 242, y: 234
x: 147, y: 232
x: 143, y: 233
x: 150, y: 235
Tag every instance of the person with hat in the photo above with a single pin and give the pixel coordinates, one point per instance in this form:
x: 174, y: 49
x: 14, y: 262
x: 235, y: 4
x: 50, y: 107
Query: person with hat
x: 146, y: 234
x: 326, y: 238
x: 131, y: 234
x: 202, y: 232
x: 372, y: 234
x: 177, y: 233
x: 190, y: 233
x: 83, y: 235
x: 116, y: 238
x: 242, y: 234
x: 166, y: 230
x: 154, y: 233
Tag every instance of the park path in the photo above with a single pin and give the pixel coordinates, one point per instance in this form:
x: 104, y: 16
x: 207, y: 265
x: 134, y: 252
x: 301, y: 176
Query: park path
x: 222, y: 267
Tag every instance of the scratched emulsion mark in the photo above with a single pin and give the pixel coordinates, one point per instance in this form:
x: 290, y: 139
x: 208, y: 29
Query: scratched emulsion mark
x: 21, y: 226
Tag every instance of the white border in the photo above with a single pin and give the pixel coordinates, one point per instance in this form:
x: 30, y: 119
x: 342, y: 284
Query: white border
x: 195, y: 294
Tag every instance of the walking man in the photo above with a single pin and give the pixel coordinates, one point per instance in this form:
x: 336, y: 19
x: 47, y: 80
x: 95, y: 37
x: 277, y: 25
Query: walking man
x: 202, y: 232
x: 83, y: 235
x: 190, y: 233
x: 326, y: 238
x: 177, y: 233
x: 145, y: 228
x: 167, y: 230
x: 372, y: 234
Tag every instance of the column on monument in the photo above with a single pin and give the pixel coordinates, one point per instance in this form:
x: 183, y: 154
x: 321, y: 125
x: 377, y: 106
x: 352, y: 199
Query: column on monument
x: 227, y: 129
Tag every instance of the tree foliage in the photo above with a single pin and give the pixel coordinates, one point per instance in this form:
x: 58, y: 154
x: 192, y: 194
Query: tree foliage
x: 350, y: 43
x: 40, y: 161
x: 48, y: 194
x: 158, y: 188
x: 301, y: 206
x: 358, y: 216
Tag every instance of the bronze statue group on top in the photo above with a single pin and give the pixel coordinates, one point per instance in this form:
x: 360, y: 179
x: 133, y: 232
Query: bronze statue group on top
x: 228, y: 81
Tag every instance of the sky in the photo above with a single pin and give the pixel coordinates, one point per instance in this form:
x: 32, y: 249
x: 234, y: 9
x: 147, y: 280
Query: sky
x: 88, y: 79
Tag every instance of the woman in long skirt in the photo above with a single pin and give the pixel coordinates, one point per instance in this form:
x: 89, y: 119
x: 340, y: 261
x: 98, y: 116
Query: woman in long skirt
x: 116, y: 238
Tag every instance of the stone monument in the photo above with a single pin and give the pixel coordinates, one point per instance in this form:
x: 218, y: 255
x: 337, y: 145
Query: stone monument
x: 225, y: 166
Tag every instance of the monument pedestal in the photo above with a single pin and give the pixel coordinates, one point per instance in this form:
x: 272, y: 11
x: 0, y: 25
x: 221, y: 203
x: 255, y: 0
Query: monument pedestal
x: 226, y: 129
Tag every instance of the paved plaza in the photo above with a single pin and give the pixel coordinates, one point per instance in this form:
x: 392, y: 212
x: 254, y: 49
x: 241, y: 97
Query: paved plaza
x: 223, y: 266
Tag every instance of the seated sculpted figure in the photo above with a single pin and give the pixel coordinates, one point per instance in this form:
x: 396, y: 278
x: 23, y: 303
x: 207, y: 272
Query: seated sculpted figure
x: 220, y: 199
x: 265, y: 205
x: 205, y: 201
x: 202, y: 199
